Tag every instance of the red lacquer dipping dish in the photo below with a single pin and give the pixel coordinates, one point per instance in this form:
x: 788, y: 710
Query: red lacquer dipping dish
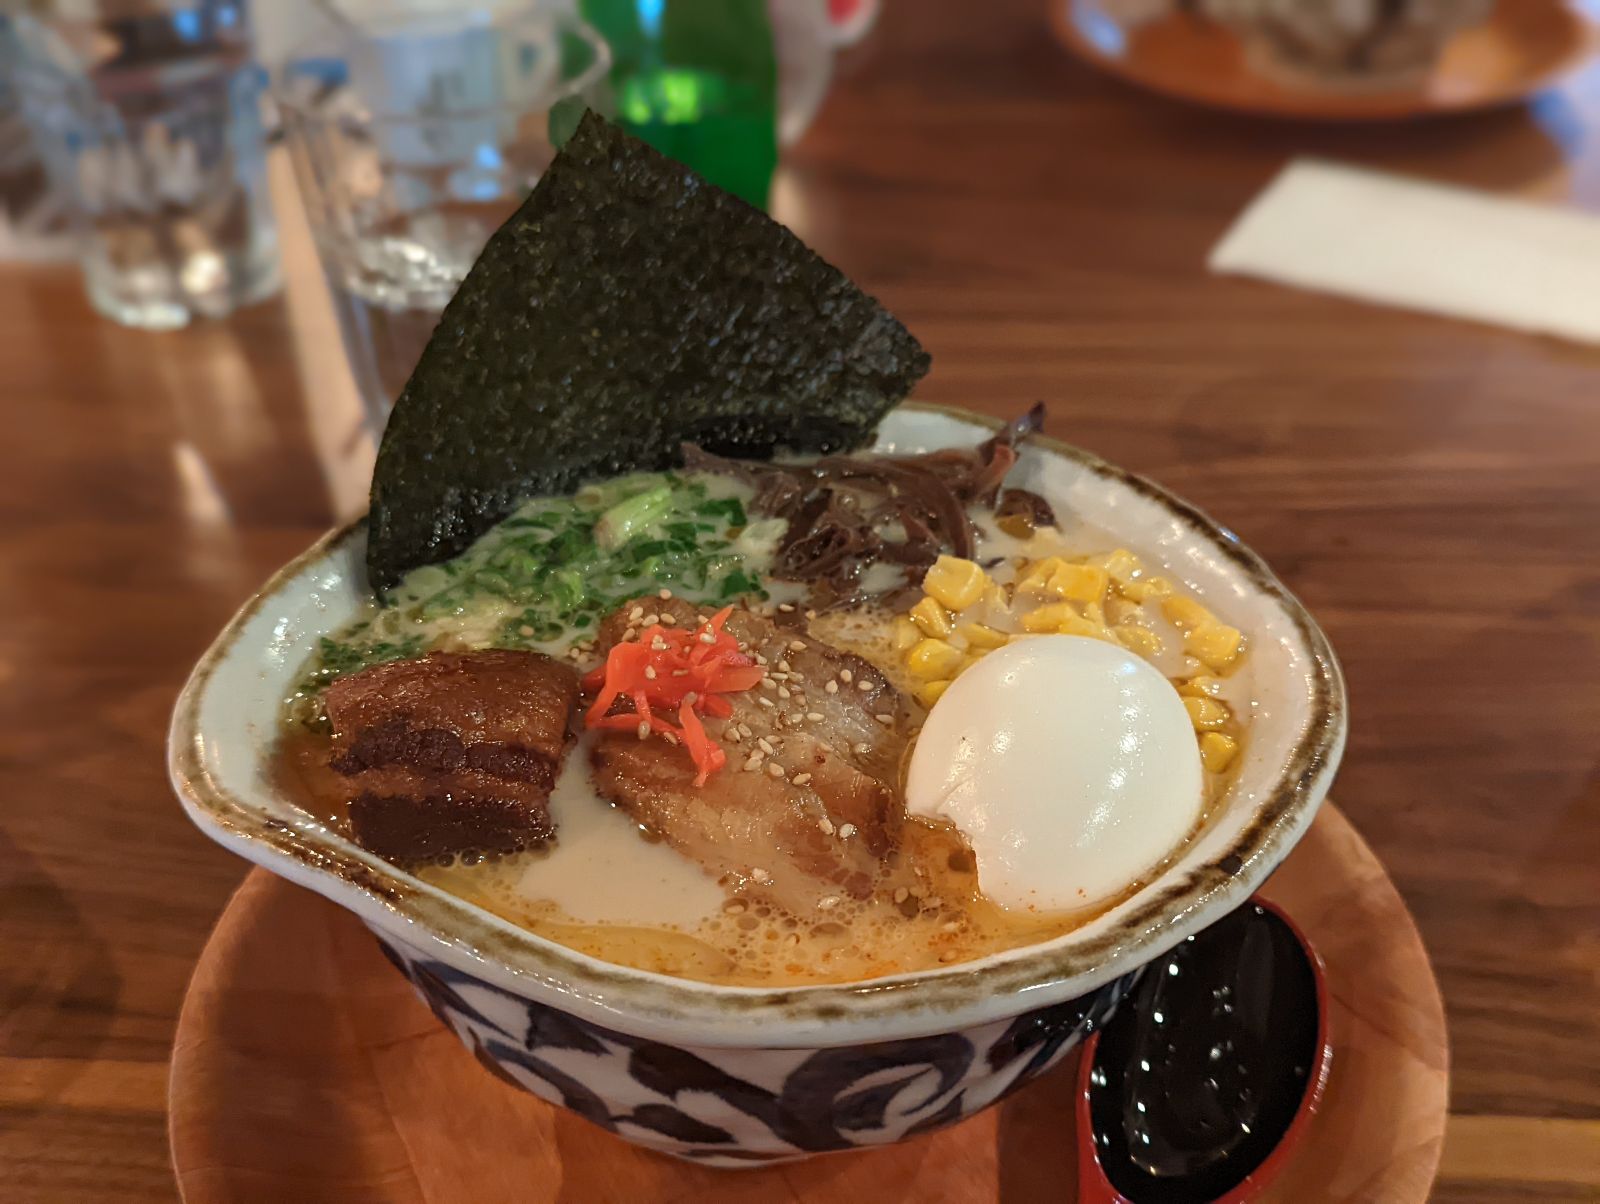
x: 1202, y: 1086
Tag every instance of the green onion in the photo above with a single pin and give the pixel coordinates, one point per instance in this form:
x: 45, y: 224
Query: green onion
x: 632, y: 517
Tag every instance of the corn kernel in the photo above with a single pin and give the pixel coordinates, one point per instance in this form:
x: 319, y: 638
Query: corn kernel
x: 1145, y: 588
x: 1079, y: 583
x: 981, y: 635
x: 932, y: 618
x: 1035, y: 578
x: 1139, y: 641
x: 1121, y: 565
x: 1186, y: 612
x: 954, y: 582
x: 1049, y: 617
x: 1216, y: 645
x: 906, y: 634
x: 1095, y: 613
x: 972, y: 658
x: 932, y: 659
x: 1217, y: 751
x: 1203, y: 686
x: 929, y: 691
x: 1206, y: 714
x: 1060, y: 618
x: 1123, y: 613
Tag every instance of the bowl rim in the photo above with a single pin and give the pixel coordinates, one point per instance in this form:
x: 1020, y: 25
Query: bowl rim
x: 513, y: 960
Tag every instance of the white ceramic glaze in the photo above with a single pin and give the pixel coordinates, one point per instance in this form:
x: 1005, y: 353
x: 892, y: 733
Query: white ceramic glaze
x: 226, y: 720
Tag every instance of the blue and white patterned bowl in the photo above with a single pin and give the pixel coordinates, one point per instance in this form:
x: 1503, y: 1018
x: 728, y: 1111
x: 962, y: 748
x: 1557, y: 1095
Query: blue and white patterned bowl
x: 735, y: 1075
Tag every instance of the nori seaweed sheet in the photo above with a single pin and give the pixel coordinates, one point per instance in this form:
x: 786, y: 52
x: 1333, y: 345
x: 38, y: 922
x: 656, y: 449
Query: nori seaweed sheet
x: 627, y: 307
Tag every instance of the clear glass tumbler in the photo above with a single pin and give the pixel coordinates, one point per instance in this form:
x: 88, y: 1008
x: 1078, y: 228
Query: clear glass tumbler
x: 414, y: 137
x: 149, y: 124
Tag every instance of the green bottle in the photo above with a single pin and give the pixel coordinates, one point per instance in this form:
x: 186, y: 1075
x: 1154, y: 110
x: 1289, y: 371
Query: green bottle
x: 697, y: 80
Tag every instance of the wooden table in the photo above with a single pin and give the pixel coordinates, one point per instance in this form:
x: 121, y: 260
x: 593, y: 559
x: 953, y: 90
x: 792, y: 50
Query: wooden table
x: 1430, y: 488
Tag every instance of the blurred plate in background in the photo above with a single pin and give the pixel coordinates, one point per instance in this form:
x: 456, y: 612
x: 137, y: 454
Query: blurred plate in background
x: 1525, y: 46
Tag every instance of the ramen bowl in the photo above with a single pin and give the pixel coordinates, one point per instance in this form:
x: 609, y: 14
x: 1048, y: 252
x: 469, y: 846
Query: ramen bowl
x: 735, y: 1076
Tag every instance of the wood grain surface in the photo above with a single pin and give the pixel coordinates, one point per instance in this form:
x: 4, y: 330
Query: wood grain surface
x: 1431, y: 488
x: 305, y: 1066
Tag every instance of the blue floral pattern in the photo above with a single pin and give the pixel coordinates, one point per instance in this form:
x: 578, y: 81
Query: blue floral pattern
x: 735, y: 1106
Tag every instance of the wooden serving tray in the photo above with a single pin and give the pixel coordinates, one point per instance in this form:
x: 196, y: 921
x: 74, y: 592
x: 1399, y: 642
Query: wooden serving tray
x: 304, y: 1069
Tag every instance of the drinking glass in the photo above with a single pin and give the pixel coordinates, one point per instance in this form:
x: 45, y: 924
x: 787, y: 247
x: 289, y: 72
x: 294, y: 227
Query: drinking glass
x: 148, y: 120
x: 414, y: 137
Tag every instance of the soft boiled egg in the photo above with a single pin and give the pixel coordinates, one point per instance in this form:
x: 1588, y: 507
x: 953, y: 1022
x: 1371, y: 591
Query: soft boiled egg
x: 1068, y: 763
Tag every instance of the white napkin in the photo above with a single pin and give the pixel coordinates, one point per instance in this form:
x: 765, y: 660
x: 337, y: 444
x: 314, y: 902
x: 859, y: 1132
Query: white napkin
x: 1394, y: 241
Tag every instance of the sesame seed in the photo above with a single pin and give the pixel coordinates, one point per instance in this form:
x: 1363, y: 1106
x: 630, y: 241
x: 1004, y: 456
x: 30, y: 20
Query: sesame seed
x: 753, y: 762
x: 797, y: 645
x: 952, y: 926
x: 793, y: 719
x: 669, y: 621
x: 651, y: 620
x: 783, y: 691
x: 846, y: 831
x: 780, y: 676
x: 949, y: 955
x: 901, y: 895
x: 811, y: 614
x: 884, y: 719
x: 768, y: 684
x: 744, y: 730
x: 800, y: 779
x: 525, y: 630
x: 664, y: 594
x: 826, y: 825
x: 863, y: 748
x: 832, y: 687
x: 864, y: 686
x: 814, y: 716
x: 629, y: 634
x: 680, y: 672
x: 650, y: 672
x: 765, y: 745
x: 732, y: 733
x: 734, y: 907
x: 708, y: 637
x: 659, y: 645
x: 766, y: 702
x: 760, y: 660
x: 775, y: 769
x: 783, y: 666
x: 644, y: 728
x: 846, y: 676
x: 761, y: 876
x: 669, y: 737
x: 786, y: 607
x: 636, y: 614
x: 827, y: 904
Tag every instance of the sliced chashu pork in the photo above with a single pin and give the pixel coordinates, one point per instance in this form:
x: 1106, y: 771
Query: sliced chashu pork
x: 452, y: 752
x: 807, y: 806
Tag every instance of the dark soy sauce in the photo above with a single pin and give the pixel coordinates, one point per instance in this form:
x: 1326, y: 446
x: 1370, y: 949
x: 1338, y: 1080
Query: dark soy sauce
x: 1201, y: 1071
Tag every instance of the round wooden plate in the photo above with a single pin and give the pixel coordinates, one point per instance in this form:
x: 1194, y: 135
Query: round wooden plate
x: 1525, y: 46
x: 305, y: 1070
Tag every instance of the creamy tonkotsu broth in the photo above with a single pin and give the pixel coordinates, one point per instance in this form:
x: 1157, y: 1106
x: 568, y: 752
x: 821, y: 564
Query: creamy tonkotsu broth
x: 546, y: 578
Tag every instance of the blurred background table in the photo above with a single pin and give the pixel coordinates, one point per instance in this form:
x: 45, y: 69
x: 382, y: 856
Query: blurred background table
x: 1430, y: 488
